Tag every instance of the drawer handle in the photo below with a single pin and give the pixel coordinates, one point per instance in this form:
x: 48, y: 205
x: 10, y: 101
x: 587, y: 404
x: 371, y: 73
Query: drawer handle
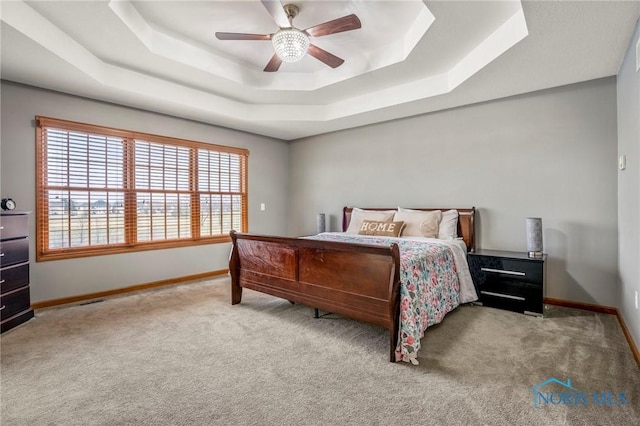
x: 2, y: 308
x: 1, y: 254
x: 2, y: 281
x: 501, y: 271
x: 505, y: 296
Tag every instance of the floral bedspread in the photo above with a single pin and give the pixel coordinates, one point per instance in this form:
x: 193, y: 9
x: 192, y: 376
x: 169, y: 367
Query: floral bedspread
x: 429, y: 286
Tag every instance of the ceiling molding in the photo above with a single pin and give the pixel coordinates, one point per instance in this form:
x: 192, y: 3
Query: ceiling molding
x: 446, y: 54
x: 160, y: 42
x: 26, y: 20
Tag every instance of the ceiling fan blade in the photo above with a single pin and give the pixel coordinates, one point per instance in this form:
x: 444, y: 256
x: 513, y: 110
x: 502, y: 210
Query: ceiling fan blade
x: 274, y: 64
x: 323, y: 56
x: 346, y: 23
x: 275, y: 9
x: 242, y: 36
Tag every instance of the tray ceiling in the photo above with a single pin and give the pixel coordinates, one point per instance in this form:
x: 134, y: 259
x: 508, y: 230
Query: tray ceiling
x: 409, y: 57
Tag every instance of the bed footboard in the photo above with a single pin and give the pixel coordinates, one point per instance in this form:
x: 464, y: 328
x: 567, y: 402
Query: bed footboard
x: 354, y: 280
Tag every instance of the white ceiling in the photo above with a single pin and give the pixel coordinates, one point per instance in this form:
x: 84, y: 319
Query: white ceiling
x: 409, y: 57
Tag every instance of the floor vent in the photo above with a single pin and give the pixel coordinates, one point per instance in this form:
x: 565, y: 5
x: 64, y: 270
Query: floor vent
x: 89, y: 302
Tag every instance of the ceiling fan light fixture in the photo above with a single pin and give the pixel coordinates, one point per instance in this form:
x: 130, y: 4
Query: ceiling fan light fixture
x: 290, y: 44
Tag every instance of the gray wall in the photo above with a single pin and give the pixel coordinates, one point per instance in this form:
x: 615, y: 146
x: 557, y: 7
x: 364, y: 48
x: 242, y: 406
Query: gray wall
x: 268, y: 180
x: 550, y: 154
x: 629, y: 187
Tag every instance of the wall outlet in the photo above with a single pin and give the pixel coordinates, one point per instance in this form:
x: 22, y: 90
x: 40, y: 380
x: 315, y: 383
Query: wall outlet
x: 636, y: 300
x: 263, y: 207
x: 622, y: 162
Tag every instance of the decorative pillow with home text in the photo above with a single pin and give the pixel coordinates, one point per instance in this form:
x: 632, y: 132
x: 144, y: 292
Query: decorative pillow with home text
x: 383, y: 229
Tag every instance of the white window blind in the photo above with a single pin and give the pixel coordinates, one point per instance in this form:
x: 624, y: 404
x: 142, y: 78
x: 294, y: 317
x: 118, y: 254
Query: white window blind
x: 103, y: 190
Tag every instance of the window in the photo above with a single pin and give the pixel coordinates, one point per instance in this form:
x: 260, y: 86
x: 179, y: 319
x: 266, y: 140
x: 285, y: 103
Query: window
x: 103, y: 190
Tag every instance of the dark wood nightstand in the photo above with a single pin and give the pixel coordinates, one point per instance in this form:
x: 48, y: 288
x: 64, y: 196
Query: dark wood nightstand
x: 509, y: 280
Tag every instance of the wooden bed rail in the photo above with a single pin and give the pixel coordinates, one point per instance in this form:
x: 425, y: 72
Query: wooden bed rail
x: 354, y: 280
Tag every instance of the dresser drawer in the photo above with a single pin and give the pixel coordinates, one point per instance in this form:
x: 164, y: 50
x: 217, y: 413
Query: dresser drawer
x: 14, y: 277
x: 14, y: 226
x: 14, y: 302
x: 14, y: 251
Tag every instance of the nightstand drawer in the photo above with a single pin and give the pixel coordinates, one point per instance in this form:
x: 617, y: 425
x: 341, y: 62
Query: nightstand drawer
x: 14, y: 277
x: 512, y: 295
x: 498, y: 300
x: 486, y: 267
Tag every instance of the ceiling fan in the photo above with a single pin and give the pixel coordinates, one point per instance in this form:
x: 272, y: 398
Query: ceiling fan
x: 292, y: 44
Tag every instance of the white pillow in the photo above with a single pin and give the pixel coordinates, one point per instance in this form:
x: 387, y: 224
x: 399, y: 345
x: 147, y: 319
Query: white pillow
x: 358, y: 215
x: 448, y: 225
x: 448, y: 228
x: 419, y: 223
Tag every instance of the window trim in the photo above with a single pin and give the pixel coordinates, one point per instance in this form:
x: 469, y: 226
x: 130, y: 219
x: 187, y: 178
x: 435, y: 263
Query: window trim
x: 43, y: 253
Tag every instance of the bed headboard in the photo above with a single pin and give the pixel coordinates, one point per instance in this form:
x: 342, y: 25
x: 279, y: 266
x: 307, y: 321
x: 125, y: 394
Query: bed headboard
x: 466, y: 226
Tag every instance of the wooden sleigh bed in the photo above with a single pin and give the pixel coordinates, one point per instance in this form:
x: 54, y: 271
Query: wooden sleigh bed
x: 359, y: 281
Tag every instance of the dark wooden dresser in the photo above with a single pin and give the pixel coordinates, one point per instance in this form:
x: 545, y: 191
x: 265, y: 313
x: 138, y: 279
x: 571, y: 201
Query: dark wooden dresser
x: 509, y: 280
x: 15, y: 301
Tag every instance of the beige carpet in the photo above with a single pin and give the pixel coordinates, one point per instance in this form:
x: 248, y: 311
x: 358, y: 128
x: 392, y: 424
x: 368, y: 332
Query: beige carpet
x: 183, y: 355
